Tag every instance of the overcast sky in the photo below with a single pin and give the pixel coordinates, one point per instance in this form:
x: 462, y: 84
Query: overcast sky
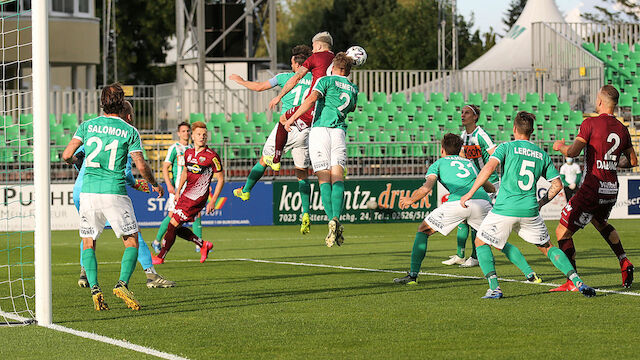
x: 489, y: 13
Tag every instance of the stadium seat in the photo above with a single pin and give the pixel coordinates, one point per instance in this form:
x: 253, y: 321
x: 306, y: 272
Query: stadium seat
x: 370, y: 108
x: 25, y: 119
x: 399, y: 98
x: 362, y: 100
x: 456, y: 98
x: 193, y: 117
x: 551, y: 98
x: 379, y: 98
x: 436, y: 97
x: 564, y: 108
x: 418, y: 98
x: 12, y: 132
x: 389, y: 108
x: 70, y: 122
x: 238, y: 118
x: 381, y: 118
x: 410, y: 109
x: 227, y: 128
x: 7, y: 155
x: 475, y: 99
x: 513, y: 98
x: 626, y: 100
x: 494, y: 98
x: 532, y: 98
x: 85, y: 117
x: 217, y: 118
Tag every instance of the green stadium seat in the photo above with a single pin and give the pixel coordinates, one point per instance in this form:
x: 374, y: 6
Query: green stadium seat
x: 354, y: 151
x: 381, y: 118
x: 626, y: 100
x: 217, y: 118
x: 247, y: 127
x: 362, y: 100
x: 404, y: 137
x: 85, y: 117
x: 410, y: 109
x: 69, y: 121
x: 494, y: 98
x: 370, y: 108
x: 399, y: 98
x: 532, y: 98
x: 25, y: 119
x: 27, y: 130
x: 429, y: 109
x: 418, y: 98
x: 238, y: 118
x: 372, y: 127
x: 456, y: 98
x: 513, y: 98
x: 12, y: 132
x: 216, y: 138
x: 575, y: 117
x: 507, y: 108
x: 413, y: 126
x: 486, y: 108
x: 436, y: 97
x: 605, y: 46
x: 564, y: 108
x: 7, y: 155
x: 54, y: 155
x: 590, y: 47
x: 551, y: 98
x: 440, y: 118
x: 475, y: 99
x: 227, y: 128
x: 389, y: 108
x: 417, y: 150
x: 259, y: 118
x: 193, y: 117
x: 401, y: 119
x: 635, y: 109
x: 499, y: 119
x: 379, y: 98
x: 364, y: 136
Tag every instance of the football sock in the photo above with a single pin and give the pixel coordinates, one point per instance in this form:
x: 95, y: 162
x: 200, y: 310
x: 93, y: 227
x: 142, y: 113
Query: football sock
x: 562, y: 263
x: 197, y: 227
x: 81, y: 262
x: 255, y: 175
x: 463, y: 233
x: 144, y: 255
x: 169, y: 239
x: 188, y: 235
x: 515, y: 256
x: 304, y: 187
x: 150, y: 270
x: 608, y: 233
x: 128, y: 263
x: 473, y: 244
x: 325, y: 194
x: 488, y: 265
x: 568, y: 248
x: 418, y: 253
x: 163, y: 228
x: 90, y: 266
x: 337, y: 198
x: 281, y: 141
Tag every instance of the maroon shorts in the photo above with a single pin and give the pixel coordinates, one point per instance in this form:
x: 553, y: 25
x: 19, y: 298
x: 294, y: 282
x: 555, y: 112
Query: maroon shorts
x: 583, y: 207
x: 187, y: 210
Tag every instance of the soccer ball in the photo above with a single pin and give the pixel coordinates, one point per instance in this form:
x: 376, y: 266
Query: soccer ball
x: 372, y: 204
x: 358, y: 55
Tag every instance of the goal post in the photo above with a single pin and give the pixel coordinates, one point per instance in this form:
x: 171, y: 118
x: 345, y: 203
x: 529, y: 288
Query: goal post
x: 41, y: 164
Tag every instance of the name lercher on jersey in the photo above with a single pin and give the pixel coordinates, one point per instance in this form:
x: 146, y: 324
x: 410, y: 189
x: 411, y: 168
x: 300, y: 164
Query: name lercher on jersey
x: 527, y: 152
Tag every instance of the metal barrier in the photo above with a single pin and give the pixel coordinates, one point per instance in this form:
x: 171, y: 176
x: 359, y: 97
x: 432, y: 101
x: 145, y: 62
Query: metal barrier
x: 598, y: 32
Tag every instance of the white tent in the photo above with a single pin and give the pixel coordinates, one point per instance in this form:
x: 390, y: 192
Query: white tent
x: 514, y: 52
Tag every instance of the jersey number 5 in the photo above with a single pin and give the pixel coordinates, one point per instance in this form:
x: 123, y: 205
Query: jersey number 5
x: 112, y: 148
x: 524, y: 171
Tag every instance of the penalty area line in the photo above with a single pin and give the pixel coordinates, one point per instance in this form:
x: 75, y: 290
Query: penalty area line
x: 423, y: 273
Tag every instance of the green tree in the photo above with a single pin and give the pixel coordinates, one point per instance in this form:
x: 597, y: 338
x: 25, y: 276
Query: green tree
x: 143, y: 29
x: 615, y: 11
x: 513, y: 13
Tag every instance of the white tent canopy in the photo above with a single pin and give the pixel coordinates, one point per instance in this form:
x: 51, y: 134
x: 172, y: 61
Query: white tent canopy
x: 514, y: 52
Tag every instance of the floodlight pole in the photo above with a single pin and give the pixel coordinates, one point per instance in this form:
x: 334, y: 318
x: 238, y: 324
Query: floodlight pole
x: 42, y: 232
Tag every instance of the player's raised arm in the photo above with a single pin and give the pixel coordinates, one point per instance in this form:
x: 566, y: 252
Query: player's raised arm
x: 146, y: 172
x: 219, y: 185
x: 554, y: 189
x: 423, y: 191
x: 303, y: 108
x: 482, y: 178
x: 629, y: 160
x: 302, y: 71
x: 251, y: 85
x: 570, y: 150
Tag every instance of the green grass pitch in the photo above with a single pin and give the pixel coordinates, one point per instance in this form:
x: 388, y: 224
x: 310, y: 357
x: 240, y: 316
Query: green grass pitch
x: 233, y: 309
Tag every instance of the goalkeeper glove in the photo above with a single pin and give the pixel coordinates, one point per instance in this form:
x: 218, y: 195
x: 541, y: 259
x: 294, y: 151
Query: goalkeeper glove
x: 79, y: 160
x: 142, y: 185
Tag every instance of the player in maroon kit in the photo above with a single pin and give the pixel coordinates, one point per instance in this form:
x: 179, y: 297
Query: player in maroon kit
x: 606, y: 140
x: 201, y: 165
x: 318, y: 63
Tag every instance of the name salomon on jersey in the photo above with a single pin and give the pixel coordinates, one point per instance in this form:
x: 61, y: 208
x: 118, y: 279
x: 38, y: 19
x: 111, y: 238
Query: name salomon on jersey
x: 476, y: 146
x: 107, y: 142
x: 457, y: 174
x: 523, y: 163
x: 338, y: 97
x: 299, y: 92
x: 175, y: 156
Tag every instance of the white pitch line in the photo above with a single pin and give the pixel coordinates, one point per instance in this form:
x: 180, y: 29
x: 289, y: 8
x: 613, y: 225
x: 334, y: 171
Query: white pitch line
x: 121, y: 343
x: 423, y: 273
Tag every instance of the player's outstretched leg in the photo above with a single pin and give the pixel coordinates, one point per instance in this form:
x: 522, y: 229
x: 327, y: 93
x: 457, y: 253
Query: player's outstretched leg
x: 169, y: 239
x: 488, y: 266
x: 461, y: 240
x: 565, y: 243
x: 205, y: 246
x: 156, y: 245
x: 304, y: 188
x: 255, y: 175
x: 281, y: 141
x: 562, y: 263
x: 515, y: 256
x: 417, y: 256
x: 610, y: 235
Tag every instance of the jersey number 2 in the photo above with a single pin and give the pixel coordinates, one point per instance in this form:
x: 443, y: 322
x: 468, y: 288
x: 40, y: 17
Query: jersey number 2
x: 112, y: 148
x: 613, y: 137
x: 347, y: 101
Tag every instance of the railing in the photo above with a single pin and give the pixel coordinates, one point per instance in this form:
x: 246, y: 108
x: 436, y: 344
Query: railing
x: 599, y: 33
x: 570, y: 71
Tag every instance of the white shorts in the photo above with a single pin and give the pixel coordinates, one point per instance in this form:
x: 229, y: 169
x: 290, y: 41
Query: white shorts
x: 450, y: 214
x: 171, y: 203
x: 297, y: 142
x: 327, y: 148
x: 495, y: 229
x: 494, y: 195
x: 97, y: 209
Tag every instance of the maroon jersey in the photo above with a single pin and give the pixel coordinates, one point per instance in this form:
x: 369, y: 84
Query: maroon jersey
x: 606, y: 139
x: 200, y: 169
x: 319, y: 64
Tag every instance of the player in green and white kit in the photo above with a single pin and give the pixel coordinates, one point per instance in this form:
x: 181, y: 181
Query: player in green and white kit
x: 297, y: 140
x: 175, y: 161
x: 516, y: 206
x: 477, y: 146
x: 457, y: 175
x: 107, y: 140
x: 334, y: 97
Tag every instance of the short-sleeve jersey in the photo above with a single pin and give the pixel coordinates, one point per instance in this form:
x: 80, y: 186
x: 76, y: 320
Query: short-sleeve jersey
x: 200, y: 169
x: 606, y: 139
x: 175, y: 156
x: 107, y: 140
x: 457, y: 174
x: 318, y: 63
x: 476, y: 146
x: 299, y: 92
x: 523, y: 163
x: 338, y: 97
x: 570, y: 173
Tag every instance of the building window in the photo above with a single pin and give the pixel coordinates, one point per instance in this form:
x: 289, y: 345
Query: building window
x: 63, y: 6
x: 83, y: 6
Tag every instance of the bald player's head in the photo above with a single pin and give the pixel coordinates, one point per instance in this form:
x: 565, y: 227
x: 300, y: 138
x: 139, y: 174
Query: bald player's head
x: 127, y: 112
x: 607, y: 99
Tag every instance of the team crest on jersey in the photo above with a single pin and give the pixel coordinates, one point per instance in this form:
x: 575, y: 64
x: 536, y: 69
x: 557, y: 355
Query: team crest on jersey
x: 202, y: 159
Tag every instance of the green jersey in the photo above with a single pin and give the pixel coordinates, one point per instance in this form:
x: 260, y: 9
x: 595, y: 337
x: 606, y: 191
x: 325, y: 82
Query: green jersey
x: 523, y: 163
x: 338, y: 97
x: 107, y: 142
x: 476, y: 148
x: 175, y: 156
x: 457, y: 174
x: 299, y: 92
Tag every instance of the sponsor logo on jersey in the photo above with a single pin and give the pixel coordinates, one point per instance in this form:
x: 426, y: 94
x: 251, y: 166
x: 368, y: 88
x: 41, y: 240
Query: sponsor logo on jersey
x: 217, y: 164
x: 608, y: 188
x: 195, y: 168
x: 472, y: 151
